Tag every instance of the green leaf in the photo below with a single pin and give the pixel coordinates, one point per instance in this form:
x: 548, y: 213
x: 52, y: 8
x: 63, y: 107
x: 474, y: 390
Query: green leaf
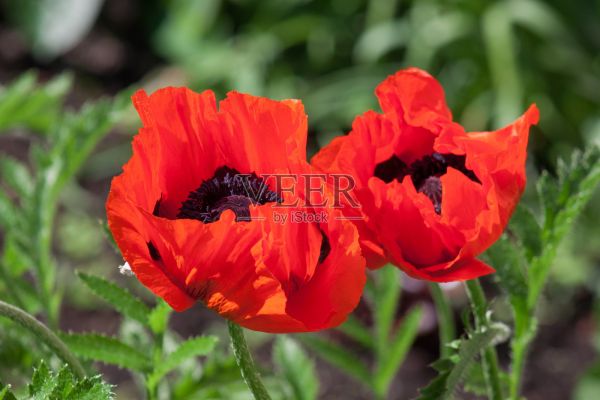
x: 46, y: 385
x: 91, y: 388
x: 453, y: 370
x: 8, y: 216
x: 510, y: 271
x: 5, y: 393
x: 16, y: 176
x: 397, y: 350
x: 37, y: 108
x: 338, y: 357
x: 15, y: 256
x: 355, y: 329
x: 198, y: 346
x: 42, y: 383
x: 475, y: 382
x: 158, y: 318
x: 121, y: 299
x: 528, y: 231
x: 106, y: 349
x: 386, y: 297
x: 297, y: 367
x: 63, y: 384
x: 73, y: 140
x: 563, y: 200
x: 579, y: 180
x: 548, y: 192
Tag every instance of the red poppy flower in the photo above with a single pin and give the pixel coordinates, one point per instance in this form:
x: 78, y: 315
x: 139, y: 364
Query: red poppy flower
x: 432, y: 196
x: 191, y: 230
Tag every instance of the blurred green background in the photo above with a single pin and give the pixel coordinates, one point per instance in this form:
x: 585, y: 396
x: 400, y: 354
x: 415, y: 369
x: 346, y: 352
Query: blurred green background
x: 493, y: 58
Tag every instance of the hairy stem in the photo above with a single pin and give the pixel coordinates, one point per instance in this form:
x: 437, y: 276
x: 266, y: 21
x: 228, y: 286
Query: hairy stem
x: 246, y: 363
x: 445, y: 318
x: 489, y: 356
x: 525, y: 330
x: 43, y: 333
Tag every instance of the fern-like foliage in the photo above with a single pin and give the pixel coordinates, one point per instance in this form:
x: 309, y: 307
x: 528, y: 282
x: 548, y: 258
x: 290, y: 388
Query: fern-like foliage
x: 454, y: 369
x: 47, y: 385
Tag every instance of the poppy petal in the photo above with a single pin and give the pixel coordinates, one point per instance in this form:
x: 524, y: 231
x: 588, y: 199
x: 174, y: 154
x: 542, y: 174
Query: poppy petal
x: 416, y: 96
x: 462, y: 270
x: 263, y: 135
x: 178, y: 132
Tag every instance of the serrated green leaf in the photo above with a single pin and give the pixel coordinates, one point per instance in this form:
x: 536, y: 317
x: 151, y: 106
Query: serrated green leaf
x: 447, y: 382
x: 475, y: 381
x: 527, y: 229
x: 548, y: 191
x: 576, y: 183
x: 90, y: 388
x: 198, y: 346
x: 46, y: 385
x: 298, y: 369
x: 338, y: 357
x: 510, y: 271
x: 443, y: 364
x: 42, y: 383
x: 106, y: 349
x: 5, y: 393
x: 64, y: 382
x: 122, y: 300
x: 579, y: 182
x: 397, y: 350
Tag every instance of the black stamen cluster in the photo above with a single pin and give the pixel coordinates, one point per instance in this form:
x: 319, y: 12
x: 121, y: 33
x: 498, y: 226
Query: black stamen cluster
x: 425, y: 173
x: 228, y: 189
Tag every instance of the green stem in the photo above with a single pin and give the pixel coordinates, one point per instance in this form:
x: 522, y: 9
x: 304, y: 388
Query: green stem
x: 152, y: 386
x: 525, y: 330
x: 246, y: 363
x: 46, y: 269
x: 445, y: 317
x: 490, y: 358
x: 519, y: 353
x: 46, y: 335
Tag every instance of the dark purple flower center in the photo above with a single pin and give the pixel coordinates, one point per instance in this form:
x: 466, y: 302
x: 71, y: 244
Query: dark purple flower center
x: 425, y: 173
x: 228, y: 189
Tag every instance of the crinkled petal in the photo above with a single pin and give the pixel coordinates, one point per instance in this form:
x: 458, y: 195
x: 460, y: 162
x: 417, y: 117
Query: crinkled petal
x: 262, y: 135
x: 175, y: 150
